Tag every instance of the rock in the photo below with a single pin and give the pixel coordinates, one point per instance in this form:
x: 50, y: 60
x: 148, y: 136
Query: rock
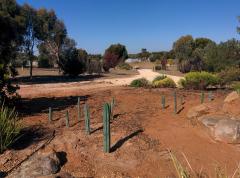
x: 231, y: 97
x: 41, y: 164
x: 197, y: 111
x: 227, y: 130
x: 211, y: 120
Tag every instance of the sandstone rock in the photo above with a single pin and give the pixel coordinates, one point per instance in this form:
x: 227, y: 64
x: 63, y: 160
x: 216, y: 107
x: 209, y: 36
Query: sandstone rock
x: 231, y: 97
x: 197, y: 111
x: 41, y: 164
x: 227, y: 130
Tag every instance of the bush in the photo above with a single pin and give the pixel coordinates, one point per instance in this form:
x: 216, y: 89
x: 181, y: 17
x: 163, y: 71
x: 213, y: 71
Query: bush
x: 141, y: 82
x: 44, y: 62
x: 164, y: 83
x: 236, y: 87
x: 9, y: 128
x: 73, y: 61
x: 199, y: 80
x: 229, y: 75
x: 160, y: 77
x: 124, y: 66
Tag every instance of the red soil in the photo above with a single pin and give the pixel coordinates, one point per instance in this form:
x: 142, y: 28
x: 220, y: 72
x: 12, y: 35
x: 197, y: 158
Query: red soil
x: 142, y: 134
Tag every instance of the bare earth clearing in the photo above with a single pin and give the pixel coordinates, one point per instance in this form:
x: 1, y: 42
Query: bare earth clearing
x: 62, y: 89
x: 142, y: 133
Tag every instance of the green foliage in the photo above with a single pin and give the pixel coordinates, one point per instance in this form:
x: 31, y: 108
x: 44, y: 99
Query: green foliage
x: 73, y: 61
x: 44, y: 62
x: 236, y: 87
x: 164, y: 83
x: 141, y: 82
x: 229, y: 75
x: 190, y: 53
x: 199, y: 80
x: 221, y: 56
x: 9, y: 127
x: 124, y: 66
x: 160, y: 77
x: 114, y: 55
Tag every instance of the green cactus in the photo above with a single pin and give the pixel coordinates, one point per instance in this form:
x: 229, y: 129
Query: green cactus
x: 163, y: 102
x: 175, y: 102
x: 67, y: 119
x: 87, y: 119
x: 106, y: 128
x: 202, y: 97
x: 50, y: 114
x: 78, y: 107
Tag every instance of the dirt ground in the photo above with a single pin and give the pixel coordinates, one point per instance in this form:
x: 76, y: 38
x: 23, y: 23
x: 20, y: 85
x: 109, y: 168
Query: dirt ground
x: 142, y: 134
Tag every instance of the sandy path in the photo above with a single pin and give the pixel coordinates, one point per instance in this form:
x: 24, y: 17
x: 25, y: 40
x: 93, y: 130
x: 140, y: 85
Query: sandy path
x: 65, y: 89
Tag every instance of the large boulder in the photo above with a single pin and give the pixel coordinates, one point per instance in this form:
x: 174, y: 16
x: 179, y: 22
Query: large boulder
x: 41, y: 164
x: 231, y: 97
x: 197, y: 111
x: 227, y: 130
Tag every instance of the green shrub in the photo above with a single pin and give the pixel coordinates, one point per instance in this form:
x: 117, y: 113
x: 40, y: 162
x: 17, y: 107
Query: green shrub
x: 229, y: 75
x: 164, y: 83
x: 9, y: 128
x: 236, y: 87
x: 124, y: 66
x: 199, y: 80
x: 160, y: 77
x: 141, y: 82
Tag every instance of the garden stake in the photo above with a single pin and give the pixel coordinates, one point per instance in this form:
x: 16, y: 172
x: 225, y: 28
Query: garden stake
x: 163, y: 102
x: 106, y: 128
x: 87, y: 119
x: 67, y: 119
x: 50, y: 114
x: 175, y: 102
x: 78, y: 107
x: 202, y: 97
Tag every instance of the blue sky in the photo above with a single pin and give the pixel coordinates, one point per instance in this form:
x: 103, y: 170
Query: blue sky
x: 151, y: 24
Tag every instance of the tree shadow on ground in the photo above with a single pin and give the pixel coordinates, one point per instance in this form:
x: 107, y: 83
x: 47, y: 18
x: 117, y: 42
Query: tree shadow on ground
x: 41, y: 105
x: 123, y: 140
x: 38, y: 79
x: 29, y: 136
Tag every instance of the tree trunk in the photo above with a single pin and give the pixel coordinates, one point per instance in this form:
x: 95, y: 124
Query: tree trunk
x: 31, y: 68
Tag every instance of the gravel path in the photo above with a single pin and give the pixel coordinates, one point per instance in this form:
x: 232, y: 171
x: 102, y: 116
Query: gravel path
x: 72, y: 88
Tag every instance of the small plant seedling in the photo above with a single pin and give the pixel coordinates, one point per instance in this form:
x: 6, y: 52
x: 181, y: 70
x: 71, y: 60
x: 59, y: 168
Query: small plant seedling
x: 50, y: 114
x: 67, y: 119
x: 87, y: 119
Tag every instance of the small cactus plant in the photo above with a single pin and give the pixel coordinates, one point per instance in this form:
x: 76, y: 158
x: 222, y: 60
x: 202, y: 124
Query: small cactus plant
x: 163, y: 102
x: 202, y: 97
x: 87, y: 119
x: 112, y: 104
x: 67, y: 119
x: 106, y: 128
x: 175, y: 102
x: 78, y: 107
x: 210, y: 96
x: 50, y: 114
